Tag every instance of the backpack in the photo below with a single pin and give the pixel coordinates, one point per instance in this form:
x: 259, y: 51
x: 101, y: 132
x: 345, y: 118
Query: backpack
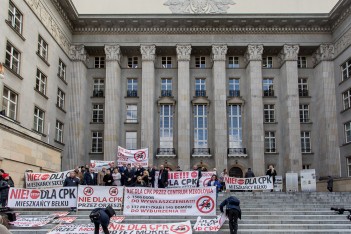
x: 95, y: 216
x: 110, y: 211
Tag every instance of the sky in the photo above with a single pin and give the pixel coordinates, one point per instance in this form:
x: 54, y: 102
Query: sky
x: 241, y: 6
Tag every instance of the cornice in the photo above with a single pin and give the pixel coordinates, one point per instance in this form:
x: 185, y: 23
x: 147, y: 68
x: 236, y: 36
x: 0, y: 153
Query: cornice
x: 63, y: 14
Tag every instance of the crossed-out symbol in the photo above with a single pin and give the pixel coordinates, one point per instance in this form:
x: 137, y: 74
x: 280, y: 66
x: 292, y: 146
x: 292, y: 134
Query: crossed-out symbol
x: 205, y: 204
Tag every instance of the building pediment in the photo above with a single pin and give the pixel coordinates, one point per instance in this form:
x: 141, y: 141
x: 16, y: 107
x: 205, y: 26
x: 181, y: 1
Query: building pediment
x: 166, y: 101
x: 200, y: 101
x: 235, y: 101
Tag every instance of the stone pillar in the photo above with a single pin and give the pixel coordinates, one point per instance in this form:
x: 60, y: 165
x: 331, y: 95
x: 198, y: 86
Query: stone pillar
x: 112, y: 102
x: 79, y: 133
x: 289, y: 105
x: 326, y: 149
x: 220, y: 102
x: 254, y: 110
x: 148, y: 99
x: 184, y: 107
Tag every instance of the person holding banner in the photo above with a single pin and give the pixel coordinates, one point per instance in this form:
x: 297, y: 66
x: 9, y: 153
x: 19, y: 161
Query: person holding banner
x: 163, y: 177
x: 196, y: 168
x: 101, y: 175
x: 152, y: 172
x: 121, y: 170
x: 108, y: 179
x: 214, y: 182
x: 71, y: 181
x: 128, y: 176
x: 233, y: 212
x: 116, y: 177
x: 271, y: 172
x: 90, y: 177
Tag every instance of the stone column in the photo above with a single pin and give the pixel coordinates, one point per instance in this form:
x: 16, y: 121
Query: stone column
x: 220, y: 102
x: 148, y: 99
x: 112, y: 102
x: 79, y: 133
x: 327, y: 153
x: 254, y: 110
x: 289, y: 104
x: 184, y: 107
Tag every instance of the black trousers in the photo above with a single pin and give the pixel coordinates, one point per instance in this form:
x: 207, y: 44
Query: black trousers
x: 233, y: 215
x: 97, y: 226
x: 330, y: 189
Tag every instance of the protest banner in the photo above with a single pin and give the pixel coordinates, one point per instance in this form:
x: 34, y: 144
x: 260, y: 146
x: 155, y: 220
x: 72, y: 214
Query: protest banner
x: 118, y: 228
x: 117, y: 219
x: 43, y: 198
x: 175, y: 202
x: 134, y: 157
x: 45, y: 180
x: 91, y: 197
x: 31, y: 222
x: 253, y: 183
x: 64, y: 220
x: 59, y: 214
x: 210, y: 225
x: 98, y: 165
x: 180, y: 179
x: 206, y: 177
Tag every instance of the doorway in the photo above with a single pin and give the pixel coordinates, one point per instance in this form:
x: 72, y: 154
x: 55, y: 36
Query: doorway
x: 236, y: 172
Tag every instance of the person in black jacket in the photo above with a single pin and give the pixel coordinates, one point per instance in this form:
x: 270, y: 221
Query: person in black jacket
x: 249, y: 173
x: 5, y: 185
x: 90, y: 177
x: 102, y: 216
x: 72, y: 181
x: 108, y: 179
x: 129, y: 176
x: 152, y: 171
x: 198, y: 169
x: 233, y: 212
x: 271, y: 172
x: 163, y: 177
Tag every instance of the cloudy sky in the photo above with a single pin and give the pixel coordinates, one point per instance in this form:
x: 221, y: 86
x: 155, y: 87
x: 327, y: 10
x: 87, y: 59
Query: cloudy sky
x: 241, y: 6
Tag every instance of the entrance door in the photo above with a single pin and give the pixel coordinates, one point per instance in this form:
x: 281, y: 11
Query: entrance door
x: 236, y: 172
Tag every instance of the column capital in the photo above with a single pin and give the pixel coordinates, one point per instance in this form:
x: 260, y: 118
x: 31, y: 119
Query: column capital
x: 219, y: 52
x: 78, y: 53
x: 289, y: 53
x: 113, y: 52
x: 325, y: 52
x: 183, y: 52
x: 254, y: 53
x: 148, y: 52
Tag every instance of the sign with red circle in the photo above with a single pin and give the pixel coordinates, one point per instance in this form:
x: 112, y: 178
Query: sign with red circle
x: 92, y: 165
x: 180, y: 229
x: 205, y: 204
x: 206, y: 181
x: 113, y: 191
x: 45, y: 176
x: 194, y: 174
x: 35, y: 194
x: 140, y: 156
x: 240, y: 181
x: 88, y: 191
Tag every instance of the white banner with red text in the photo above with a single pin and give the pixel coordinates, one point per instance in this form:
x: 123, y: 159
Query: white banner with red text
x: 206, y: 177
x: 45, y: 180
x: 253, y: 183
x: 166, y: 202
x: 210, y: 225
x: 180, y: 179
x: 91, y: 197
x: 43, y: 198
x: 64, y: 220
x: 32, y: 222
x: 134, y: 157
x: 98, y: 165
x: 119, y: 228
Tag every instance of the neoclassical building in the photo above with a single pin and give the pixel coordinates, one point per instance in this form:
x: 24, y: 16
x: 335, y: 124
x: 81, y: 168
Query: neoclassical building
x: 196, y: 84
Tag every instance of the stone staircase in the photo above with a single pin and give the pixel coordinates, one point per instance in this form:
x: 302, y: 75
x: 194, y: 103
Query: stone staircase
x: 262, y: 212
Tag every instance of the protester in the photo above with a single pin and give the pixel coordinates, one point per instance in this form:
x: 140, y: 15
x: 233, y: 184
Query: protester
x: 108, y: 179
x: 101, y: 174
x: 222, y: 179
x: 330, y: 184
x: 90, y: 177
x: 178, y: 168
x: 140, y: 182
x: 214, y: 182
x: 163, y: 177
x: 152, y: 172
x: 10, y: 179
x: 122, y: 169
x: 249, y: 173
x: 203, y: 169
x: 233, y: 212
x: 71, y: 181
x: 101, y: 216
x: 116, y: 177
x: 128, y: 176
x: 112, y: 166
x: 271, y: 172
x: 139, y: 171
x: 5, y: 185
x: 196, y: 168
x: 4, y: 225
x: 145, y: 178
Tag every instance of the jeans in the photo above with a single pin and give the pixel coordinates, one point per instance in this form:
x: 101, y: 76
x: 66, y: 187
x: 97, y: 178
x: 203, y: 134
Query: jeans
x: 233, y: 220
x: 97, y: 225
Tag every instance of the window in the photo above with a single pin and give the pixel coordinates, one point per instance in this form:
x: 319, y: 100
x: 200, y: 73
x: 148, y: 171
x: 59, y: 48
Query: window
x: 9, y: 103
x: 132, y: 114
x: 304, y: 113
x: 268, y: 88
x: 349, y: 166
x: 40, y: 84
x: 200, y: 62
x: 346, y: 70
x: 15, y: 18
x: 269, y: 113
x: 166, y: 126
x: 235, y: 127
x: 305, y: 142
x: 59, y: 131
x: 131, y: 140
x: 166, y: 87
x: 96, y: 142
x: 269, y: 142
x: 200, y: 126
x: 60, y: 99
x: 346, y: 96
x: 13, y: 57
x: 306, y: 166
x: 132, y: 87
x: 39, y: 116
x: 303, y: 87
x: 98, y: 113
x: 99, y: 62
x: 348, y: 132
x: 301, y: 62
x: 233, y: 62
x: 99, y: 87
x: 42, y: 48
x: 166, y: 62
x: 267, y: 62
x: 200, y: 87
x: 234, y: 88
x: 62, y: 70
x: 133, y: 62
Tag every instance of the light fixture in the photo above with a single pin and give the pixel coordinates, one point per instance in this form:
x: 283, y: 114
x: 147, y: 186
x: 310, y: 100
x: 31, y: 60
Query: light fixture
x: 2, y: 71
